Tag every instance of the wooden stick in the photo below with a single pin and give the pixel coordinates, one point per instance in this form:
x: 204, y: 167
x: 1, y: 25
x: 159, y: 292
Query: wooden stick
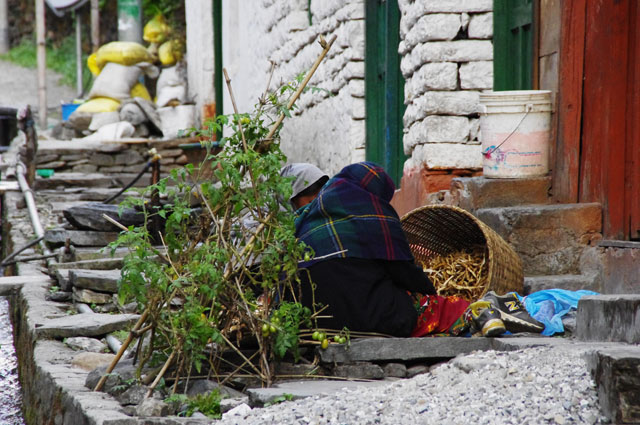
x: 162, y: 372
x: 325, y: 49
x: 115, y: 223
x: 125, y: 345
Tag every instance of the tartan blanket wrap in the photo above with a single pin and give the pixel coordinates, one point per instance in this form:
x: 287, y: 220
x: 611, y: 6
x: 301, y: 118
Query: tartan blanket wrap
x: 352, y: 213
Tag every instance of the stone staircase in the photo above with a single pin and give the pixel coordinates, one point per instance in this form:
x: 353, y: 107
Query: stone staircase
x: 556, y: 242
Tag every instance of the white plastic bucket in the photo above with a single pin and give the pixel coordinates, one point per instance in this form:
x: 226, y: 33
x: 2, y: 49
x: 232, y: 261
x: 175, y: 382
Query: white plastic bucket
x: 515, y: 129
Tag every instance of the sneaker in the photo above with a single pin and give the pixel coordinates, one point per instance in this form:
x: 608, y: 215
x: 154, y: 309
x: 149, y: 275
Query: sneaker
x: 513, y: 314
x: 485, y: 319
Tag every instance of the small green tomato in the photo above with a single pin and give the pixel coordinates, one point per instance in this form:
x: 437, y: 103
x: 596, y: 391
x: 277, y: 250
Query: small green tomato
x: 272, y: 329
x: 343, y: 340
x: 315, y: 336
x: 324, y: 344
x: 265, y: 328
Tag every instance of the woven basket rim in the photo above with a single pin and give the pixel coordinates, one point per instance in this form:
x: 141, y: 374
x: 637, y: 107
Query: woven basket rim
x: 504, y: 262
x: 475, y: 221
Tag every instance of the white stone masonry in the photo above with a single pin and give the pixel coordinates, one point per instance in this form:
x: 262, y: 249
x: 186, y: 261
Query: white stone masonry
x: 447, y: 59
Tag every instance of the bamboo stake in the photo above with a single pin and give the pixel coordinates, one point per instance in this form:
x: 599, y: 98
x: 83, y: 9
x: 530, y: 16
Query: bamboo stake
x: 325, y: 49
x: 162, y: 372
x: 125, y: 345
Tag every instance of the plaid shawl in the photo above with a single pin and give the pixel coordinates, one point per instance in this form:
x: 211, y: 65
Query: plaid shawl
x: 352, y: 213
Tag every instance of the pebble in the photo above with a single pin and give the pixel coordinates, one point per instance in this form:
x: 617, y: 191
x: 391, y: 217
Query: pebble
x: 497, y: 389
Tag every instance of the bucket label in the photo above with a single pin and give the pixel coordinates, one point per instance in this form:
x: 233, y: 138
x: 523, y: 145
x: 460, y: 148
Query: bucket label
x: 521, y: 155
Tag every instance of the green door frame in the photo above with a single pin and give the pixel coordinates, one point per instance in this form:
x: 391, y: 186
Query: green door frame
x: 217, y: 56
x: 513, y: 49
x: 384, y: 87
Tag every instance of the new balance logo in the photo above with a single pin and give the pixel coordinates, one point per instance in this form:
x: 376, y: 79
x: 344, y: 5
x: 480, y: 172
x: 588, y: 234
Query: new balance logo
x: 512, y: 305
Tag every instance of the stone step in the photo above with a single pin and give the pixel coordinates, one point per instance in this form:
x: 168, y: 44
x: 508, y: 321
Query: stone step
x: 609, y: 318
x: 97, y: 264
x: 96, y: 280
x: 550, y: 239
x: 405, y: 349
x: 616, y: 372
x: 79, y: 237
x: 570, y: 282
x: 473, y: 193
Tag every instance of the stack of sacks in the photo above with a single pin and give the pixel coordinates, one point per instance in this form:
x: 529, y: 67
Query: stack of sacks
x: 171, y: 89
x: 107, y: 115
x: 119, y: 106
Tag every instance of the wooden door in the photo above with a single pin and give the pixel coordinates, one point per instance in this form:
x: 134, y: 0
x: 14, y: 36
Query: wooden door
x: 599, y: 106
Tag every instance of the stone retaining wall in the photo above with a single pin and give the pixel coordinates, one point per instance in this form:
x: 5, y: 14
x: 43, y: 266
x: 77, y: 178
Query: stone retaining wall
x: 111, y: 158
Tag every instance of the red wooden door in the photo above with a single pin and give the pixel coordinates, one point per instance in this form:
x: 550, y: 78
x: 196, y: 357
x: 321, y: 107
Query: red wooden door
x: 599, y: 112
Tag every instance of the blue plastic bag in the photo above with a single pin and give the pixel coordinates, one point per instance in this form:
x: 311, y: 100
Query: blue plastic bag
x: 550, y: 305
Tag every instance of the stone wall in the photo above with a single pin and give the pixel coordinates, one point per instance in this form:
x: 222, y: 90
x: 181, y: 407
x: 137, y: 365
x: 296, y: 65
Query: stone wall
x: 110, y: 158
x: 328, y: 127
x: 447, y: 60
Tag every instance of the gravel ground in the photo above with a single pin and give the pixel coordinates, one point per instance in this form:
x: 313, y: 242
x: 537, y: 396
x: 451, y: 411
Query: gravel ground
x: 19, y: 87
x: 10, y: 397
x: 532, y: 386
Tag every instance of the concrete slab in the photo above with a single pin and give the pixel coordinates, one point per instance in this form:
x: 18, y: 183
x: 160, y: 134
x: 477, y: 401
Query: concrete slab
x: 616, y: 372
x: 88, y: 324
x: 609, y: 318
x: 258, y: 397
x: 388, y: 349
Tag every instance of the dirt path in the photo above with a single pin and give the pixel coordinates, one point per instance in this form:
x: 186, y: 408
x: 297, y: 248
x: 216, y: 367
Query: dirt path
x: 19, y: 87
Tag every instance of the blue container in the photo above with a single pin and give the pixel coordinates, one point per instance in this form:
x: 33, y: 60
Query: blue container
x: 67, y: 109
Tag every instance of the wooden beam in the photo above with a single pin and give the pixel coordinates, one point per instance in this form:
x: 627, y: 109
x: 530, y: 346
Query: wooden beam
x: 567, y: 161
x: 42, y: 64
x: 95, y: 25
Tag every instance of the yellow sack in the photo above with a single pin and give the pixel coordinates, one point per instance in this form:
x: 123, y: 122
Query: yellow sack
x: 99, y: 104
x: 156, y: 30
x: 139, y: 90
x: 122, y: 52
x: 92, y: 64
x: 170, y: 52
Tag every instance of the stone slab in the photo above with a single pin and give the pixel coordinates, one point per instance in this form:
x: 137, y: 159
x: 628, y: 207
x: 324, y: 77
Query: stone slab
x: 79, y: 237
x: 609, y: 318
x: 387, y: 349
x: 83, y: 254
x: 10, y: 285
x: 258, y: 397
x: 88, y: 296
x: 88, y: 180
x: 87, y: 324
x: 616, y: 372
x: 550, y: 239
x: 98, y: 264
x: 570, y: 282
x: 97, y: 280
x: 472, y: 193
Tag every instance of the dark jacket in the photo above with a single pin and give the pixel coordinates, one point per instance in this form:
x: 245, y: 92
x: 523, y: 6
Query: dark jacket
x: 368, y: 295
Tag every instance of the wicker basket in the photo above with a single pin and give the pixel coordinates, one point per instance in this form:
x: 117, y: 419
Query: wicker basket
x: 440, y: 230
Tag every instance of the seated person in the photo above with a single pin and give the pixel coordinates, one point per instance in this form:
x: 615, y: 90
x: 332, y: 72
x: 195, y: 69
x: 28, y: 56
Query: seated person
x: 308, y: 181
x: 362, y: 267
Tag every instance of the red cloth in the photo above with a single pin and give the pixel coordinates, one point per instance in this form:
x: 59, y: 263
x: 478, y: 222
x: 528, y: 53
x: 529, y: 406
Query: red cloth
x: 438, y: 314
